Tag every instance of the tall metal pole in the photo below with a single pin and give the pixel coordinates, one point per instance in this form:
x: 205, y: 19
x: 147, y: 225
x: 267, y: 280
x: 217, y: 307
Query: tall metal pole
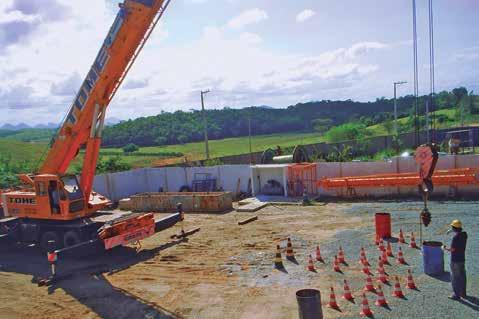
x: 396, y: 131
x: 249, y: 137
x: 205, y: 123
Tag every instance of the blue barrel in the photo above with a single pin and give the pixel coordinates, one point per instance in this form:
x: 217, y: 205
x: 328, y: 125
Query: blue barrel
x: 309, y: 304
x: 433, y: 257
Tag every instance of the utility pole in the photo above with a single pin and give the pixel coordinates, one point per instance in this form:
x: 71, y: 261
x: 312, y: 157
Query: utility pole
x: 249, y: 136
x: 205, y: 123
x: 396, y: 131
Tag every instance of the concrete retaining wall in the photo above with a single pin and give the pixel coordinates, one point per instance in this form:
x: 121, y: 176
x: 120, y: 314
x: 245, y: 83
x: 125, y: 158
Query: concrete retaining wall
x: 125, y: 184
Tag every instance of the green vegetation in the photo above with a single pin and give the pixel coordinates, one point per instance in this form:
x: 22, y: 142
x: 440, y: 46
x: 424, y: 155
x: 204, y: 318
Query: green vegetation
x: 308, y: 123
x: 130, y: 148
x: 29, y: 135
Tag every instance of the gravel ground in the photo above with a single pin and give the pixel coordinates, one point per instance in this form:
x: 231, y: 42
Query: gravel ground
x: 432, y: 300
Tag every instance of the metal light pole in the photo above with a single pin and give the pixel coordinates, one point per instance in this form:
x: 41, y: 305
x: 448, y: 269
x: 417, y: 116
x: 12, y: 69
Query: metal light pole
x: 205, y: 123
x: 396, y: 131
x: 249, y: 137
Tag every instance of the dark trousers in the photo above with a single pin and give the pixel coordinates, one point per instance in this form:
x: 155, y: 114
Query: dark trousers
x: 458, y: 278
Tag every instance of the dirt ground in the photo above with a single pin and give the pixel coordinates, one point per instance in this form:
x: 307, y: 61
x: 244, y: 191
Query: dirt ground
x: 223, y: 271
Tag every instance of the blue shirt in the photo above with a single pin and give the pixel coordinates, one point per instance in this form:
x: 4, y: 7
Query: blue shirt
x: 459, y: 242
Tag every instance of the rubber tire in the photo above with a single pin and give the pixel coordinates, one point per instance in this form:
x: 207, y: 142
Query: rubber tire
x: 46, y: 237
x: 71, y: 238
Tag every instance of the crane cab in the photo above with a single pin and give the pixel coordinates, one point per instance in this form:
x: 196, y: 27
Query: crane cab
x: 52, y: 198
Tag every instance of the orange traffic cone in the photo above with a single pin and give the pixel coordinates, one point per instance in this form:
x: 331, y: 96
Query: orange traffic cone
x: 381, y: 301
x: 336, y: 267
x: 310, y: 264
x: 401, y: 237
x: 410, y: 281
x: 289, y: 250
x: 381, y: 245
x: 385, y: 258
x: 369, y: 284
x: 376, y: 241
x: 278, y: 262
x: 382, y: 273
x: 362, y: 254
x: 366, y: 270
x: 318, y: 255
x: 347, y: 292
x: 413, y: 244
x: 332, y: 300
x: 397, y: 289
x: 341, y: 255
x: 382, y: 277
x: 365, y: 311
x: 400, y: 258
x: 389, y: 250
x: 362, y: 257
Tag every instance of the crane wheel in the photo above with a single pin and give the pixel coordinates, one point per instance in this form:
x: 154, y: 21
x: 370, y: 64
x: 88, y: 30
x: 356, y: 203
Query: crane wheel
x: 71, y: 238
x: 50, y: 241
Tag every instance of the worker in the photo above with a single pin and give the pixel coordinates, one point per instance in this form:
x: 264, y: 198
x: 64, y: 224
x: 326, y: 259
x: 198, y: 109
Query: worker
x: 54, y: 197
x: 458, y: 259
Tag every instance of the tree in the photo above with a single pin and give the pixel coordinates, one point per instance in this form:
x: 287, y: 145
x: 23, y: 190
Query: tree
x: 321, y: 125
x: 130, y: 148
x: 346, y: 132
x: 161, y: 140
x: 389, y: 126
x: 111, y: 165
x: 460, y: 93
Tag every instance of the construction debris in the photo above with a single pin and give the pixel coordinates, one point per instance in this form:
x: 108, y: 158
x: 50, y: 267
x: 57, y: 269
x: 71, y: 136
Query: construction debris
x: 247, y: 220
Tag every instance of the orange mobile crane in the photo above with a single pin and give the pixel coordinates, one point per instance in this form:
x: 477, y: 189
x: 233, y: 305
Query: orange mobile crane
x: 58, y: 211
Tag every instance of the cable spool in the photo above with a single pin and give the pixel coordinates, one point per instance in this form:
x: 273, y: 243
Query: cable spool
x: 300, y: 155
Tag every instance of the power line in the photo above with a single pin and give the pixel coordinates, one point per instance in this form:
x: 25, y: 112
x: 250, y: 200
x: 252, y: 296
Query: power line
x: 416, y: 90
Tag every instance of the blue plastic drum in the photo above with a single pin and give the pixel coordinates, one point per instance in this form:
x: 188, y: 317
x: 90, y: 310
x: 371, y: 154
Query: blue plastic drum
x: 433, y: 257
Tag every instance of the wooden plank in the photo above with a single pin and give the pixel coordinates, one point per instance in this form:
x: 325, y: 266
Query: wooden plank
x: 248, y: 220
x: 186, y: 233
x: 252, y: 207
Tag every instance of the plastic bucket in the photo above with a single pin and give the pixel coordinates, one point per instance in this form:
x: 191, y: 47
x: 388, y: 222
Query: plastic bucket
x: 433, y: 258
x: 309, y: 304
x: 383, y: 225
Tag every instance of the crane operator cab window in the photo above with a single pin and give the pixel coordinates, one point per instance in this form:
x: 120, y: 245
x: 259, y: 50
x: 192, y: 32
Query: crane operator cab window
x: 54, y: 196
x: 73, y: 194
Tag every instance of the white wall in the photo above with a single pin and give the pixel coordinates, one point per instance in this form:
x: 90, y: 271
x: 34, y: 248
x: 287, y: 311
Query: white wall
x: 124, y: 184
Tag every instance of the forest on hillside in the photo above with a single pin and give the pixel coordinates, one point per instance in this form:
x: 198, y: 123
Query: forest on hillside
x: 183, y: 127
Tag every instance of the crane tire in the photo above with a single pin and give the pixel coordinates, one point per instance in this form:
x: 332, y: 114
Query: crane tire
x: 71, y: 238
x: 50, y: 241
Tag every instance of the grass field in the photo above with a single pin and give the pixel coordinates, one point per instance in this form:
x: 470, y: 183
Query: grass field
x: 21, y: 151
x: 193, y: 151
x: 225, y: 147
x: 470, y: 119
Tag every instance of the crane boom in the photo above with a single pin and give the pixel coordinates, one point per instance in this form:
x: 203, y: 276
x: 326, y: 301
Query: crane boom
x: 84, y: 123
x: 54, y: 210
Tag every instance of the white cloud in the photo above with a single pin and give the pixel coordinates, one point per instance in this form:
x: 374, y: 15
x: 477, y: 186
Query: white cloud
x: 252, y: 38
x: 305, y: 15
x: 248, y: 17
x: 36, y: 78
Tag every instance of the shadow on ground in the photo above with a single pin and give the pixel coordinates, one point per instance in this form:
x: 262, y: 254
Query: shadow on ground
x: 85, y: 279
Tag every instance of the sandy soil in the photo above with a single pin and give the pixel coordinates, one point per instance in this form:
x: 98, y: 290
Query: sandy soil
x: 224, y: 271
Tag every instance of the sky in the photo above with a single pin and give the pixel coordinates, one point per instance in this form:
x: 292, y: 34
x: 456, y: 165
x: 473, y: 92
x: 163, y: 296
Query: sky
x: 263, y: 52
